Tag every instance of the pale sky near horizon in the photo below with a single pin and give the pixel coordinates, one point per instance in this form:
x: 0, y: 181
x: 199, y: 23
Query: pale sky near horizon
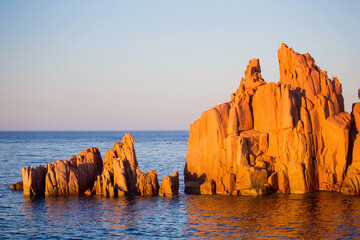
x: 156, y: 65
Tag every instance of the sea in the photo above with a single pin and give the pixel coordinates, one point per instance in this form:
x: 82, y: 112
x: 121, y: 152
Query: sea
x: 319, y: 215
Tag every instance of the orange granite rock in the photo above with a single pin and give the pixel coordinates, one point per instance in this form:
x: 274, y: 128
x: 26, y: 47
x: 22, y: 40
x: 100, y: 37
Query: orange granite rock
x: 75, y: 175
x: 356, y: 116
x: 170, y: 185
x: 289, y: 137
x: 122, y: 176
x: 351, y: 184
x: 71, y: 176
x: 85, y: 173
x: 17, y: 186
x: 34, y: 180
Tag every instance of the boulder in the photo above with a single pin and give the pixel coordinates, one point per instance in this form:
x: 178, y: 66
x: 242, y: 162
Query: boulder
x: 170, y: 185
x: 208, y: 187
x: 17, y: 186
x: 34, y: 180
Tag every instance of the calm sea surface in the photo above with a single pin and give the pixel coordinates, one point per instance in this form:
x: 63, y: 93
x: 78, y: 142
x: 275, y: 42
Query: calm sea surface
x: 317, y: 215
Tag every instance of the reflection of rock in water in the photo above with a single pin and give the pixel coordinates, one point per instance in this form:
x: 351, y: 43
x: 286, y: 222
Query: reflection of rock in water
x: 323, y: 214
x: 298, y: 216
x: 289, y: 137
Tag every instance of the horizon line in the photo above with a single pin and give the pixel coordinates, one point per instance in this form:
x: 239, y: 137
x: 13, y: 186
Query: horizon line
x: 81, y: 130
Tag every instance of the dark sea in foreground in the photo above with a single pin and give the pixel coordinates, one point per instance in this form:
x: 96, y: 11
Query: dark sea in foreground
x: 317, y: 215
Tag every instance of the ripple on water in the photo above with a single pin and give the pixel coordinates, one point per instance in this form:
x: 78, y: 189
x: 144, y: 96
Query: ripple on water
x: 317, y: 215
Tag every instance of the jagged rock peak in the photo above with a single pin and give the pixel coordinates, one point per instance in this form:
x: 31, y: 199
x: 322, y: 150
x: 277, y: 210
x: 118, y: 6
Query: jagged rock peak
x: 252, y: 81
x: 122, y: 176
x: 292, y: 136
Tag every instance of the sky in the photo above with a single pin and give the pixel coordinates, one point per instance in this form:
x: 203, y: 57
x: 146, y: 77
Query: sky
x: 156, y: 65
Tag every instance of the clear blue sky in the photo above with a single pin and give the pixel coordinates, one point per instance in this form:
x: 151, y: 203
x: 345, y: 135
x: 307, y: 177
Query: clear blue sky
x: 111, y: 65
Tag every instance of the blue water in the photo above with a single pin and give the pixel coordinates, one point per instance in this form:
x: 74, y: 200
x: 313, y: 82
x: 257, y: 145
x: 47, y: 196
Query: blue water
x: 317, y: 215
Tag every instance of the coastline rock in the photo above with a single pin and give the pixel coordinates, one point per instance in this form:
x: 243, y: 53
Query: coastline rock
x: 71, y: 176
x: 121, y: 175
x: 34, y: 180
x: 170, y: 185
x: 288, y: 137
x: 17, y: 186
x: 351, y: 184
x: 75, y: 175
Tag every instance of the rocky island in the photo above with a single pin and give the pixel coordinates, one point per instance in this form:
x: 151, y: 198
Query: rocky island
x: 86, y: 173
x: 287, y: 137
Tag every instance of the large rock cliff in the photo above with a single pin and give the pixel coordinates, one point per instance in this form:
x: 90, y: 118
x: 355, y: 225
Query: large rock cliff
x: 290, y: 137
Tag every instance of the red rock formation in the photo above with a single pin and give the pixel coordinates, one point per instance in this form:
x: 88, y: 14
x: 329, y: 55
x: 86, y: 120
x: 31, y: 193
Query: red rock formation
x: 85, y: 173
x: 170, y: 185
x: 122, y: 176
x: 75, y: 175
x: 351, y: 183
x: 292, y: 136
x: 34, y: 180
x: 64, y: 177
x: 17, y: 186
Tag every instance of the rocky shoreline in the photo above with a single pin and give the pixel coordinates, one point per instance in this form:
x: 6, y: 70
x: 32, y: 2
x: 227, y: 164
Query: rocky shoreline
x: 287, y: 137
x: 86, y: 174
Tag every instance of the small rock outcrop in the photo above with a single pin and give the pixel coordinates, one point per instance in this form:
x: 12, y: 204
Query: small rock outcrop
x: 121, y: 175
x: 71, y: 176
x: 17, y: 186
x: 85, y: 174
x: 75, y: 175
x: 289, y: 137
x: 34, y: 180
x: 170, y: 185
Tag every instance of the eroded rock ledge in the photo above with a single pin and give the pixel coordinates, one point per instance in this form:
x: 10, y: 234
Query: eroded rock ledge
x: 85, y: 173
x: 288, y: 137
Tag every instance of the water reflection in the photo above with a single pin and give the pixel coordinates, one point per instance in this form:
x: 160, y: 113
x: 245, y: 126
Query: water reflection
x: 317, y: 215
x: 325, y: 215
x: 71, y: 216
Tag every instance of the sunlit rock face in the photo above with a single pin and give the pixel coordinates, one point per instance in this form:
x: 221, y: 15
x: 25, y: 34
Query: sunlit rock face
x: 170, y: 185
x: 85, y: 173
x: 67, y: 177
x: 351, y: 183
x: 290, y: 137
x: 121, y: 175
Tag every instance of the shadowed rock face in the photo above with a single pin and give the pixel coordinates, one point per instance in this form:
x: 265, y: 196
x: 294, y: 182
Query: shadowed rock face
x: 289, y: 137
x: 122, y: 176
